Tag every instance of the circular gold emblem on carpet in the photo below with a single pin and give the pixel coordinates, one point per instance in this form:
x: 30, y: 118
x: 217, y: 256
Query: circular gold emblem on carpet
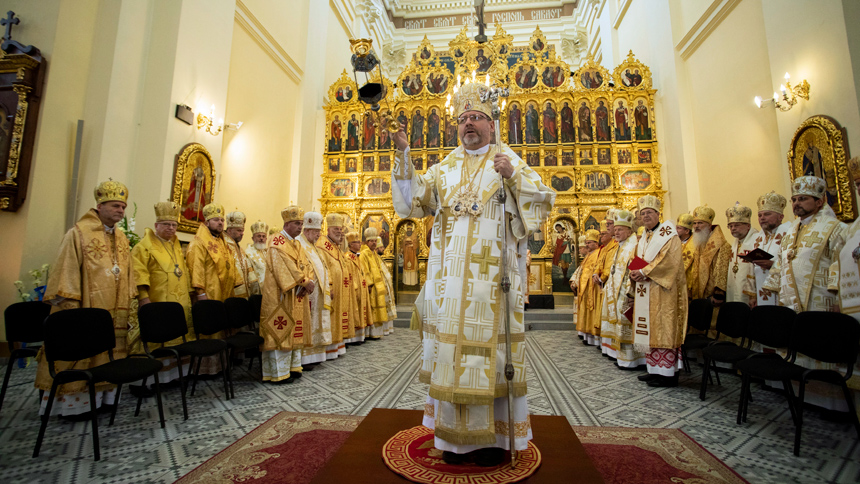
x: 411, y: 454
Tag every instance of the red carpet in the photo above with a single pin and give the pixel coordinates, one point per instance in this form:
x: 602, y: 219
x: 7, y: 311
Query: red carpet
x: 294, y: 447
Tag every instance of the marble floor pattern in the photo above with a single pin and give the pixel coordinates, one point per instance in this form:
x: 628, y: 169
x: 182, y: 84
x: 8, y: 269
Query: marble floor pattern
x: 564, y: 377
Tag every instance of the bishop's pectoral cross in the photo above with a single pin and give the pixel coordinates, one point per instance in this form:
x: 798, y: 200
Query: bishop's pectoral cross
x: 485, y: 260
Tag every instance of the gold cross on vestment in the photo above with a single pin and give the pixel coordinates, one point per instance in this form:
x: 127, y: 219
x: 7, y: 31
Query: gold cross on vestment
x: 811, y: 239
x: 485, y: 259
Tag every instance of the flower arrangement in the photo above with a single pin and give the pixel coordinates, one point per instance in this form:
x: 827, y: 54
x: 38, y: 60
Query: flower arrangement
x: 40, y: 278
x: 127, y: 226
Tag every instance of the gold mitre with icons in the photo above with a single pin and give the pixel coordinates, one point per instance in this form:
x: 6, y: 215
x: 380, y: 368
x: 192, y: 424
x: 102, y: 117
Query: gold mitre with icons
x: 166, y: 212
x: 111, y: 191
x: 581, y: 241
x: 624, y: 218
x: 739, y: 214
x: 603, y: 227
x: 259, y: 227
x: 685, y: 220
x: 809, y: 185
x: 335, y: 220
x: 313, y: 220
x: 468, y: 98
x: 235, y: 220
x: 292, y: 213
x: 704, y: 214
x: 370, y: 233
x: 611, y: 214
x: 352, y: 236
x: 648, y: 201
x: 592, y: 235
x: 213, y: 210
x: 854, y: 167
x: 771, y: 202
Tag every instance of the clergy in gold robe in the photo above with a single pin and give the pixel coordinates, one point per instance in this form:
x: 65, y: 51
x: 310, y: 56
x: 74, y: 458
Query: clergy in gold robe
x: 377, y: 290
x: 711, y: 258
x: 616, y: 331
x: 391, y: 299
x: 285, y: 309
x: 583, y: 252
x: 660, y: 297
x: 92, y: 270
x: 233, y: 234
x: 743, y: 239
x: 587, y: 291
x: 255, y: 252
x: 338, y: 272
x: 363, y: 317
x: 161, y: 276
x: 211, y: 267
x: 806, y: 273
x: 684, y: 226
x: 848, y: 281
x: 462, y: 315
x: 317, y: 329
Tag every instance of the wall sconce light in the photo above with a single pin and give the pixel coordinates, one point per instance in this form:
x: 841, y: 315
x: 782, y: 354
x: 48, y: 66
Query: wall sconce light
x: 208, y: 123
x: 234, y: 127
x: 789, y: 95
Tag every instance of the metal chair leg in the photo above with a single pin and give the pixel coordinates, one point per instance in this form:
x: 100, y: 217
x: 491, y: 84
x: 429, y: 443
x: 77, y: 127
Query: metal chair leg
x: 788, y: 389
x: 706, y: 371
x: 95, y: 419
x: 799, y: 426
x: 12, y: 360
x: 139, y: 400
x: 742, y: 401
x: 116, y: 405
x: 182, y: 389
x: 158, y: 399
x: 224, y: 371
x: 196, y: 372
x: 849, y: 399
x: 47, y: 415
x: 716, y: 373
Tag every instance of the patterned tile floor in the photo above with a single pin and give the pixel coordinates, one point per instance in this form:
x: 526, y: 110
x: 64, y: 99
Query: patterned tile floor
x: 564, y: 376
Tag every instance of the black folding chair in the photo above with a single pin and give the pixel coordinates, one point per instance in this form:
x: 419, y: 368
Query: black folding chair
x: 78, y: 334
x: 210, y: 317
x: 699, y: 317
x: 840, y: 347
x: 240, y: 316
x: 732, y: 322
x: 161, y: 322
x: 255, y: 303
x: 770, y: 326
x: 24, y: 322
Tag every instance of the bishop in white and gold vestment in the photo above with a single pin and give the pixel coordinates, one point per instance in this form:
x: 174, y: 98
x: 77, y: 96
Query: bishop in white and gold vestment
x: 806, y: 273
x: 770, y: 214
x: 462, y: 330
x: 92, y: 270
x: 256, y: 250
x: 739, y: 272
x: 616, y: 330
x: 318, y: 326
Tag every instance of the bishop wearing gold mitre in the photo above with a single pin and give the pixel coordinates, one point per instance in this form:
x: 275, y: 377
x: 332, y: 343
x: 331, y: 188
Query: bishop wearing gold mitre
x: 256, y: 250
x: 388, y: 327
x: 161, y: 276
x: 92, y: 270
x: 468, y: 394
x: 210, y: 261
x: 338, y: 273
x: 373, y: 267
x: 587, y: 291
x: 362, y: 317
x: 660, y: 300
x: 234, y: 232
x: 318, y: 328
x: 285, y: 309
x: 710, y: 265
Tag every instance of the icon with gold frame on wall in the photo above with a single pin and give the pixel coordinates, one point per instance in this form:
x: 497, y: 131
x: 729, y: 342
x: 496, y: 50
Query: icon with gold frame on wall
x: 377, y: 187
x: 351, y: 165
x: 592, y: 76
x: 368, y: 164
x: 632, y: 75
x: 193, y: 185
x: 334, y: 165
x: 550, y: 158
x: 819, y: 148
x: 342, y: 187
x: 596, y: 181
x: 562, y: 181
x: 635, y: 180
x: 532, y: 158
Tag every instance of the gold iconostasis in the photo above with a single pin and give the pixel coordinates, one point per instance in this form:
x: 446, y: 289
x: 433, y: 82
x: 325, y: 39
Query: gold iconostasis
x: 590, y: 134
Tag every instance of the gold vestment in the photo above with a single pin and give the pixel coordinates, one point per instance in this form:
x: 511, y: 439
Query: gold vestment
x: 338, y: 274
x: 283, y: 315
